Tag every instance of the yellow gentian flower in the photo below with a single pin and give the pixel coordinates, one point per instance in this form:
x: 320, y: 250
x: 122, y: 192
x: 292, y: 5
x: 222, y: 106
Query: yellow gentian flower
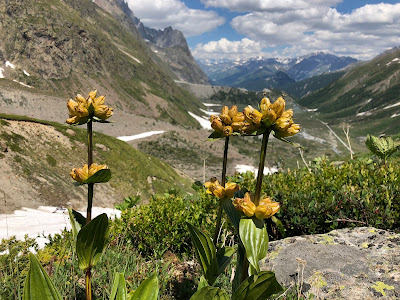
x: 81, y: 175
x: 266, y: 209
x: 246, y: 204
x: 223, y: 123
x: 252, y: 115
x: 215, y: 188
x: 79, y: 109
x: 290, y: 131
x: 278, y: 106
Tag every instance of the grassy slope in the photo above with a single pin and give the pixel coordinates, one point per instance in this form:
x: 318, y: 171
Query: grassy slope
x: 368, y: 88
x: 133, y: 171
x: 73, y: 45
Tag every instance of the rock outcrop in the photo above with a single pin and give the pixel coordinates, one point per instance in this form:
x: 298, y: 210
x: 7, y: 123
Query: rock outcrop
x: 170, y: 48
x: 359, y: 263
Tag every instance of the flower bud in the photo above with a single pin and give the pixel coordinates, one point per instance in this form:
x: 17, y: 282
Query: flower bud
x: 233, y: 111
x: 72, y: 105
x: 103, y: 112
x: 99, y: 100
x: 284, y: 121
x: 237, y: 126
x: 252, y: 115
x: 265, y: 104
x: 80, y: 99
x: 269, y: 117
x: 230, y: 189
x: 246, y: 205
x: 225, y: 110
x: 219, y: 191
x: 292, y: 130
x: 279, y: 107
x: 239, y: 117
x: 266, y: 209
x: 226, y: 119
x: 217, y: 125
x: 249, y: 128
x: 227, y: 131
x: 92, y: 94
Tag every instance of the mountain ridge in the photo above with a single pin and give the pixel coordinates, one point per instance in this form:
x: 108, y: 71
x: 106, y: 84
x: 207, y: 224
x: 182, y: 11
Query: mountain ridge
x: 67, y: 46
x: 366, y: 95
x: 258, y: 73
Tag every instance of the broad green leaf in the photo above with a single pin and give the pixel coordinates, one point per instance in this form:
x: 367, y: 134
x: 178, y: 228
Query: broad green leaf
x: 287, y: 141
x: 254, y: 237
x: 232, y: 212
x: 100, y: 176
x: 215, y: 136
x: 118, y: 291
x: 203, y: 283
x: 210, y: 293
x: 224, y: 257
x: 91, y: 242
x: 96, y: 119
x: 258, y: 287
x: 205, y: 252
x: 91, y: 109
x: 241, y: 256
x: 77, y: 222
x: 38, y: 284
x: 147, y: 290
x: 382, y: 147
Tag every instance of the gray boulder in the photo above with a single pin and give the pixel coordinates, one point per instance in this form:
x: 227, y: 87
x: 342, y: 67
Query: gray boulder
x: 358, y: 263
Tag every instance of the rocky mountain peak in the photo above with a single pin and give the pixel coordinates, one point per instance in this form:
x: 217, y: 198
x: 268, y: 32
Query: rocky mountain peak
x: 168, y: 47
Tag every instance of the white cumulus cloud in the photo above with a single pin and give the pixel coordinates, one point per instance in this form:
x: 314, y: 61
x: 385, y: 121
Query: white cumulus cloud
x: 228, y: 49
x: 362, y: 33
x: 160, y: 14
x: 268, y: 5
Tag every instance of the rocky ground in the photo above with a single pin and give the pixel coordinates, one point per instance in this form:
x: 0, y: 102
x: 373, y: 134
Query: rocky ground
x: 358, y: 264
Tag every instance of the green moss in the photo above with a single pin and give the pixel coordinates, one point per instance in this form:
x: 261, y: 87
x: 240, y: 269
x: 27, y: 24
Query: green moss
x: 326, y: 239
x: 274, y: 254
x: 380, y: 287
x: 51, y: 160
x: 4, y: 123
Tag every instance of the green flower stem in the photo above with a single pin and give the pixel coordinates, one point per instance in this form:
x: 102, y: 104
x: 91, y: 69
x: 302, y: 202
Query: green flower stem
x: 223, y: 181
x: 89, y: 205
x: 90, y: 162
x: 261, y: 167
x: 88, y: 285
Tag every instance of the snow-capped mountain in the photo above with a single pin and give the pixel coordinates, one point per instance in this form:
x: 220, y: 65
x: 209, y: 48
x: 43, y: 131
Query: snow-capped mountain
x: 259, y: 72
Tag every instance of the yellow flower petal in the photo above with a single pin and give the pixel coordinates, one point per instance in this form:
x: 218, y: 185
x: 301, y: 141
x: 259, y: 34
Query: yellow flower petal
x: 233, y: 111
x: 252, y: 115
x: 246, y: 205
x: 217, y: 125
x: 226, y: 119
x: 265, y: 104
x: 278, y: 106
x: 227, y: 131
x: 239, y: 117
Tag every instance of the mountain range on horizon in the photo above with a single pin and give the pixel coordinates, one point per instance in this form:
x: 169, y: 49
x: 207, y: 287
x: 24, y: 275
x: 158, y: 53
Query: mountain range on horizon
x: 257, y: 73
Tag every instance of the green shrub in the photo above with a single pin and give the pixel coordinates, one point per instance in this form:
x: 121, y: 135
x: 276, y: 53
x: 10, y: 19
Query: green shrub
x: 14, y: 265
x: 356, y: 193
x: 160, y: 225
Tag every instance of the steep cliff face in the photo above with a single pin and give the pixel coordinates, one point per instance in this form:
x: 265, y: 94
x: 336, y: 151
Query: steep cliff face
x: 62, y: 46
x: 170, y: 49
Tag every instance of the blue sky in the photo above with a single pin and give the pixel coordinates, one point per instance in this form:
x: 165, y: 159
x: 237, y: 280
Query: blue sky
x: 270, y: 28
